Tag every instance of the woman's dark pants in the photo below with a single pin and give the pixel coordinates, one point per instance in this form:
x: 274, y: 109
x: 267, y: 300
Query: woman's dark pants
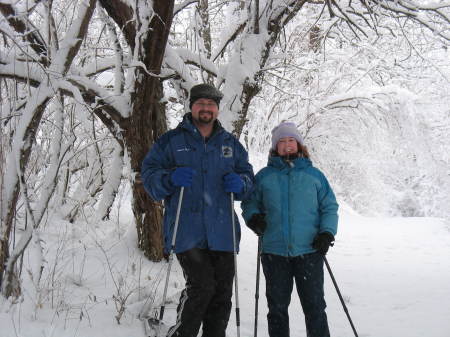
x: 280, y: 273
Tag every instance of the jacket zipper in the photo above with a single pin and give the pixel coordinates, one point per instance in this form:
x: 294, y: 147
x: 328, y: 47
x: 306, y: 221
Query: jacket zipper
x: 291, y: 165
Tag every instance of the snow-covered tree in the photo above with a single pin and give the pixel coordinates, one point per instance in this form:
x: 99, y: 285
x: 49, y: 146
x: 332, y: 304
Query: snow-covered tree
x: 121, y: 63
x: 373, y: 111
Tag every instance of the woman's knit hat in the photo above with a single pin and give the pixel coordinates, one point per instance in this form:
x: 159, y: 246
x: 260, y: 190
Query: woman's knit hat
x: 285, y: 129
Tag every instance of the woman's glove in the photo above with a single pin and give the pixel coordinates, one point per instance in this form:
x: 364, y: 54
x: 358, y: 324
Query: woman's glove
x: 322, y: 242
x: 257, y: 223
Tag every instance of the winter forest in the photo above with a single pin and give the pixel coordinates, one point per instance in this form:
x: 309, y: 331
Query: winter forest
x: 87, y: 86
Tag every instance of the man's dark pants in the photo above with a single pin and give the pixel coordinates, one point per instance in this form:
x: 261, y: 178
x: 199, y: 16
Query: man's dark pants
x: 280, y: 273
x: 207, y: 296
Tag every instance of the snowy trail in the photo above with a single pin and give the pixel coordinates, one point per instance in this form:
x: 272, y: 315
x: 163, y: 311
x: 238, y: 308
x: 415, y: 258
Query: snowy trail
x: 394, y: 274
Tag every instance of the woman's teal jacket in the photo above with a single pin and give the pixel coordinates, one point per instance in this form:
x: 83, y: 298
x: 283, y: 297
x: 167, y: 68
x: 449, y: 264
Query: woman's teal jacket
x: 298, y: 203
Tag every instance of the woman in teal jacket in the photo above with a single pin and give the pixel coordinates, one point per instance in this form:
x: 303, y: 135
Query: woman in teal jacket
x: 294, y: 209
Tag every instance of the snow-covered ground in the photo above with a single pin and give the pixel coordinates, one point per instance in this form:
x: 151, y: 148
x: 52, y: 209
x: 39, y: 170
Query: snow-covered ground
x: 394, y: 274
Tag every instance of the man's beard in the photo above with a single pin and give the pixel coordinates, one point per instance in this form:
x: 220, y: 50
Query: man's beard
x: 205, y: 117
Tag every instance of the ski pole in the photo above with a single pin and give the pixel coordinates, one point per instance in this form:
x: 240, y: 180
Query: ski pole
x: 172, y: 248
x: 340, y: 296
x: 236, y: 296
x: 258, y: 265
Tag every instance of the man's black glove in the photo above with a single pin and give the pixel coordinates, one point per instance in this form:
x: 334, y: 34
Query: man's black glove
x: 257, y: 223
x: 322, y: 242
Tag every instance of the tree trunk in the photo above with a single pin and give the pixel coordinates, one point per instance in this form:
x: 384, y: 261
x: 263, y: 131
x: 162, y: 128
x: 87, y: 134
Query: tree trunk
x: 147, y: 119
x: 144, y: 129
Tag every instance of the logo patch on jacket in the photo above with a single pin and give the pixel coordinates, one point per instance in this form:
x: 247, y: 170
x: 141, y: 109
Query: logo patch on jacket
x: 227, y: 151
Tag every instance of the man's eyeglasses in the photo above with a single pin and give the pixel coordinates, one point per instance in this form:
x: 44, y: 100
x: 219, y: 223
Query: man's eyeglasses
x: 205, y: 105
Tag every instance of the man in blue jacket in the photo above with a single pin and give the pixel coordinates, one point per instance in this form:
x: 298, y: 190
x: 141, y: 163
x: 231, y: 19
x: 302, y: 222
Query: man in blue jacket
x: 209, y: 163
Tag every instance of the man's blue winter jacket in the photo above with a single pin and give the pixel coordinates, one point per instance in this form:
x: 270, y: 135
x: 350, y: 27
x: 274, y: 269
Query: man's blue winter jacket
x: 298, y: 203
x: 205, y: 218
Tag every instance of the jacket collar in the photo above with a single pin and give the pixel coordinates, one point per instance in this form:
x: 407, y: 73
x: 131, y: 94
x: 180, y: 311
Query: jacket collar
x: 188, y: 125
x: 280, y: 164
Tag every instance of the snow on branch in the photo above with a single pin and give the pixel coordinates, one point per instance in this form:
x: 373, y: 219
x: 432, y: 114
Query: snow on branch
x: 434, y: 15
x: 87, y: 91
x: 122, y: 14
x: 178, y: 8
x: 176, y: 65
x: 281, y: 13
x: 69, y: 47
x: 112, y: 184
x: 354, y: 97
x: 25, y: 27
x: 176, y: 58
x: 30, y: 119
x: 229, y: 37
x: 98, y: 67
x: 18, y: 71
